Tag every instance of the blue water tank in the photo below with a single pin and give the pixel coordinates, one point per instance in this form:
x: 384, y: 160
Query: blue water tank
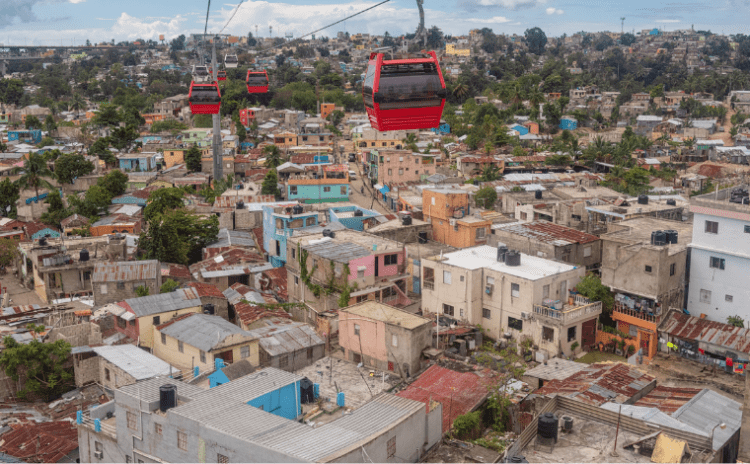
x: 316, y: 390
x: 79, y: 417
x: 196, y: 371
x: 97, y: 425
x: 340, y: 399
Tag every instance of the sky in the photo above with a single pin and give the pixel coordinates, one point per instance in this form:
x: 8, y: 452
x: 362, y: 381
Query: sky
x: 67, y: 22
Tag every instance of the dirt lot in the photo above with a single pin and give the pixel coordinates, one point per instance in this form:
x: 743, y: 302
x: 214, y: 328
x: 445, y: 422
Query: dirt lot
x: 673, y: 371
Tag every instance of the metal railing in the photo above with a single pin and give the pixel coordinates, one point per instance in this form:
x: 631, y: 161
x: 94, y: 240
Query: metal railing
x: 643, y: 315
x: 569, y: 315
x: 429, y: 284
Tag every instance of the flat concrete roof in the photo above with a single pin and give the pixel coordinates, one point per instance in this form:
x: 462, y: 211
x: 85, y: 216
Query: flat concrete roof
x: 556, y: 368
x: 388, y: 314
x: 638, y: 231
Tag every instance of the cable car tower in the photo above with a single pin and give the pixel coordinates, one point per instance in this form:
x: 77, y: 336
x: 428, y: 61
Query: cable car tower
x: 421, y: 32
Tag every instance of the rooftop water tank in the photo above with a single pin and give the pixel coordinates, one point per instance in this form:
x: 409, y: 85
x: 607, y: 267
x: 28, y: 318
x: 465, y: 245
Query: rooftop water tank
x: 167, y: 397
x: 406, y: 220
x: 358, y: 213
x: 512, y: 258
x: 297, y: 209
x: 547, y: 426
x: 84, y: 255
x: 642, y: 199
x: 501, y: 251
x: 538, y: 194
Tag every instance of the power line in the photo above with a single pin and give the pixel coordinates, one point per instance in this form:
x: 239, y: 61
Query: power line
x: 232, y: 17
x: 205, y: 28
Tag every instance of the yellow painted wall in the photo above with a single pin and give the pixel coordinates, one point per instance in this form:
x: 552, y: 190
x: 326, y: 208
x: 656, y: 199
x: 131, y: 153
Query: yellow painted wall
x: 173, y: 156
x: 190, y: 357
x: 146, y: 324
x: 450, y: 49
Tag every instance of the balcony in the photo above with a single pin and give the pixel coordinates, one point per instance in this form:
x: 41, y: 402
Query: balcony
x: 647, y: 316
x: 581, y: 309
x: 429, y: 284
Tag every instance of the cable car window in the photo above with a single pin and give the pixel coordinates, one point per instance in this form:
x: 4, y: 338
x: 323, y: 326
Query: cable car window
x: 409, y: 86
x: 369, y: 82
x: 257, y: 80
x: 206, y: 94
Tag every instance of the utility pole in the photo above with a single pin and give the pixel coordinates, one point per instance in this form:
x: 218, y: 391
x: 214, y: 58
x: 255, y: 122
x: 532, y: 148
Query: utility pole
x: 622, y: 26
x: 217, y: 148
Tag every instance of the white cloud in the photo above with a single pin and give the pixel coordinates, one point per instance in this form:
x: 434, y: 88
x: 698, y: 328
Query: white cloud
x: 495, y: 19
x: 667, y: 20
x: 509, y: 4
x: 131, y: 28
x: 77, y: 1
x: 552, y: 11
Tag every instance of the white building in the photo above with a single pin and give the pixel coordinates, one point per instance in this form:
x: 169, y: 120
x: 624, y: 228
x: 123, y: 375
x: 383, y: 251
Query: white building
x: 719, y: 279
x: 526, y: 298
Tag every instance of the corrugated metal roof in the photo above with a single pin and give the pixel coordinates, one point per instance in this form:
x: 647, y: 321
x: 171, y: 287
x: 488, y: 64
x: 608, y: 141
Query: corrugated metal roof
x: 653, y: 416
x: 148, y: 390
x: 202, y: 331
x: 708, y: 409
x: 255, y: 385
x: 687, y: 327
x: 555, y: 368
x: 135, y: 361
x: 125, y: 271
x: 548, y: 232
x: 668, y: 399
x: 337, y: 250
x: 227, y: 238
x: 277, y: 340
x: 164, y: 302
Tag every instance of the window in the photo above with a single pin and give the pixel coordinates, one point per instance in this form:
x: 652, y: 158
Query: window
x: 433, y: 201
x: 356, y: 329
x: 447, y: 277
x: 416, y: 160
x: 490, y: 280
x: 575, y: 217
x: 106, y: 374
x: 121, y: 323
x: 548, y: 334
x: 515, y: 290
x: 294, y: 252
x: 157, y: 320
x: 648, y: 268
x: 103, y: 289
x: 180, y: 347
x: 390, y: 172
x: 461, y: 278
x: 545, y: 292
x: 672, y: 269
x: 448, y: 309
x: 157, y: 429
x: 571, y: 333
x: 182, y: 441
x: 461, y: 312
x: 132, y: 323
x: 705, y: 296
x: 86, y: 275
x: 128, y: 458
x: 283, y: 361
x: 131, y: 421
x: 486, y: 313
x: 587, y: 252
x: 728, y: 298
x: 361, y: 272
x: 455, y: 227
x: 400, y: 172
x: 514, y: 323
x: 292, y: 189
x: 309, y: 353
x: 53, y: 280
x: 326, y: 189
x: 245, y: 352
x: 310, y: 221
x: 747, y: 229
x: 390, y: 260
x: 296, y: 280
x: 400, y: 159
x: 394, y: 340
x: 203, y: 356
x: 712, y: 227
x: 717, y: 263
x: 391, y: 447
x: 121, y: 285
x: 98, y: 446
x: 481, y: 233
x: 343, y: 190
x: 163, y: 339
x: 221, y: 459
x: 416, y: 173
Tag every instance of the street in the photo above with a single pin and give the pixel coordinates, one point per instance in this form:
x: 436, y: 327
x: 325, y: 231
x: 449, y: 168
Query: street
x: 366, y: 200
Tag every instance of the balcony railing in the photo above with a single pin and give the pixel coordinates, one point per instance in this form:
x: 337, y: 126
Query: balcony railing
x: 429, y: 284
x: 583, y: 309
x: 648, y: 316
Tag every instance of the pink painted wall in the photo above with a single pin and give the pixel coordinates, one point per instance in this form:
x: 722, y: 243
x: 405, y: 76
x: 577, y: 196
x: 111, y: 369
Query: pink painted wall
x: 367, y: 261
x: 390, y: 270
x: 372, y: 334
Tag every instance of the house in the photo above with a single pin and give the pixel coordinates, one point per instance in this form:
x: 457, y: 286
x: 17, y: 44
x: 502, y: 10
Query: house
x: 449, y: 212
x: 502, y: 289
x: 117, y: 365
x: 211, y: 295
x: 73, y: 222
x: 372, y: 268
x: 116, y: 223
x: 384, y: 337
x: 285, y: 139
x: 287, y: 345
x: 386, y: 429
x: 279, y: 222
x: 137, y: 161
x: 194, y: 340
x: 646, y: 123
x: 549, y: 240
x: 251, y: 316
x: 227, y: 373
x: 646, y: 274
x: 472, y: 165
x: 368, y: 137
x: 117, y: 281
x: 719, y: 254
x: 553, y: 369
x: 353, y: 217
x: 324, y: 185
x: 32, y: 136
x: 236, y: 265
x: 136, y: 317
x: 389, y: 166
x: 568, y: 123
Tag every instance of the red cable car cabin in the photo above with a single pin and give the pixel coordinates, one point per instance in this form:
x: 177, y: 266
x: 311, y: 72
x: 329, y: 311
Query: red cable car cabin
x: 257, y: 81
x: 204, y: 98
x: 222, y: 75
x: 404, y: 94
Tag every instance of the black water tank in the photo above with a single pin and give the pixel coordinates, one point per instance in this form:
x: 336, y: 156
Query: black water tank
x: 567, y: 423
x: 547, y: 426
x: 423, y: 237
x: 208, y: 308
x: 642, y: 199
x: 501, y: 251
x: 658, y: 238
x: 671, y: 236
x: 672, y: 202
x: 326, y: 232
x: 538, y: 194
x: 406, y: 220
x: 84, y: 256
x: 240, y: 204
x: 167, y: 397
x: 42, y: 241
x: 513, y: 258
x: 517, y: 458
x: 359, y: 213
x: 297, y: 209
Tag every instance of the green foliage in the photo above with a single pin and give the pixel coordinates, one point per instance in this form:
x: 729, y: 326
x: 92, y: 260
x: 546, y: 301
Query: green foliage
x: 271, y: 184
x: 193, y: 159
x: 631, y: 350
x: 34, y: 174
x: 41, y: 364
x: 486, y: 197
x: 178, y: 236
x: 8, y: 251
x: 273, y: 156
x: 574, y: 345
x: 9, y: 194
x: 32, y: 122
x: 736, y: 321
x: 107, y: 115
x: 558, y: 160
x: 536, y: 40
x: 161, y: 200
x: 46, y: 141
x: 142, y: 290
x: 170, y: 125
x: 95, y: 202
x: 56, y: 211
x: 169, y: 286
x: 592, y: 288
x: 490, y: 173
x: 627, y: 39
x: 115, y: 182
x: 11, y: 91
x: 70, y: 166
x: 496, y: 413
x: 468, y: 425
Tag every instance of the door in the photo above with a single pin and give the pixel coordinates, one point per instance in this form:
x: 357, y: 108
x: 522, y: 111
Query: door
x: 415, y: 285
x: 377, y: 267
x: 226, y: 356
x: 588, y: 332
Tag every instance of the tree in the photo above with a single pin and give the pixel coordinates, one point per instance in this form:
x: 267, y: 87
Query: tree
x: 142, y: 290
x: 56, y: 211
x: 122, y: 137
x: 9, y: 195
x: 736, y: 321
x: 115, y: 182
x: 107, y: 115
x: 271, y: 184
x: 49, y: 123
x: 32, y: 122
x: 161, y: 200
x: 34, y: 175
x: 169, y: 286
x: 603, y: 42
x: 8, y: 251
x: 490, y: 173
x: 592, y: 288
x: 251, y: 42
x: 77, y: 103
x: 627, y: 39
x: 536, y: 40
x: 435, y: 38
x: 273, y: 156
x: 42, y: 365
x: 70, y: 166
x: 241, y: 132
x: 178, y: 236
x: 96, y: 200
x: 336, y: 117
x: 280, y: 59
x: 486, y: 197
x: 193, y: 159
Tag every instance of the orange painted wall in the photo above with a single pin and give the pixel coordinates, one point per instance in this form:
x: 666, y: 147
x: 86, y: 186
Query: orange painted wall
x: 326, y: 109
x: 99, y: 231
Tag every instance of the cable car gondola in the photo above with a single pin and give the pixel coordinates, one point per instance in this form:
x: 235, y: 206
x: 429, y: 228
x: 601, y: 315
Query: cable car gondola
x: 204, y: 98
x: 404, y: 94
x: 222, y: 75
x: 200, y: 73
x: 231, y: 61
x: 257, y: 81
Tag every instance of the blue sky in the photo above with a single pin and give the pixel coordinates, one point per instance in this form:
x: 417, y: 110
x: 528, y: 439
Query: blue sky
x: 54, y: 22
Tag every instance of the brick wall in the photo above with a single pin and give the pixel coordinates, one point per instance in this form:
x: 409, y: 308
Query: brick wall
x: 86, y: 333
x: 117, y: 377
x: 113, y: 292
x: 86, y: 371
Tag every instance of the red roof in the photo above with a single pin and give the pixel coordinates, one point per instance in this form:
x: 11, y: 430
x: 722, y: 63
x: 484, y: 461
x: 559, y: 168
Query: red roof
x: 40, y: 442
x: 458, y: 392
x: 204, y: 289
x: 175, y: 270
x: 710, y: 170
x: 667, y: 399
x: 249, y: 314
x: 548, y: 232
x: 278, y: 282
x: 715, y: 333
x: 302, y: 158
x: 231, y: 258
x: 258, y: 233
x: 35, y: 226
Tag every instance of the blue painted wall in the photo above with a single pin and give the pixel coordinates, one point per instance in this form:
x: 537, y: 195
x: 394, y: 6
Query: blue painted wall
x: 142, y: 164
x: 271, y: 234
x: 34, y: 135
x: 129, y: 200
x: 444, y: 128
x: 217, y: 378
x: 520, y: 129
x: 44, y: 232
x: 354, y: 222
x: 318, y: 193
x: 567, y: 123
x: 284, y: 402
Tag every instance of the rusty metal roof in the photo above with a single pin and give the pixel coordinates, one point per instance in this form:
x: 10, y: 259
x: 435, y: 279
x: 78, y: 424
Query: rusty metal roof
x: 125, y: 271
x: 548, y: 232
x: 667, y: 399
x: 40, y: 442
x: 600, y: 383
x: 687, y: 327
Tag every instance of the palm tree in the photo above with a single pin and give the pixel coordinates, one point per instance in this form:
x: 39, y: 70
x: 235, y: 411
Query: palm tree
x: 536, y: 97
x: 461, y: 90
x: 689, y: 142
x: 273, y: 156
x: 410, y: 141
x: 77, y: 103
x: 33, y: 175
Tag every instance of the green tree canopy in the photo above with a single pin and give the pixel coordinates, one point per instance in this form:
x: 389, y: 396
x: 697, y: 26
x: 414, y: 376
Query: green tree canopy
x: 169, y: 286
x: 271, y: 184
x: 486, y: 197
x: 115, y: 182
x: 161, y: 200
x: 536, y: 40
x: 9, y: 194
x: 34, y: 174
x: 178, y: 236
x: 32, y: 122
x: 193, y: 159
x: 8, y: 251
x: 56, y: 211
x: 70, y: 166
x: 273, y: 156
x: 592, y: 288
x: 43, y: 365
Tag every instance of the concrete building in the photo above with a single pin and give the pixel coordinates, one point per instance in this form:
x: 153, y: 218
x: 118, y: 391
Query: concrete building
x: 527, y: 298
x: 279, y: 222
x: 449, y: 212
x: 195, y: 340
x: 384, y: 337
x: 385, y: 167
x: 117, y: 365
x: 327, y: 184
x: 719, y: 256
x: 218, y: 425
x: 117, y: 281
x: 288, y: 345
x: 137, y: 161
x: 548, y: 240
x: 353, y: 217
